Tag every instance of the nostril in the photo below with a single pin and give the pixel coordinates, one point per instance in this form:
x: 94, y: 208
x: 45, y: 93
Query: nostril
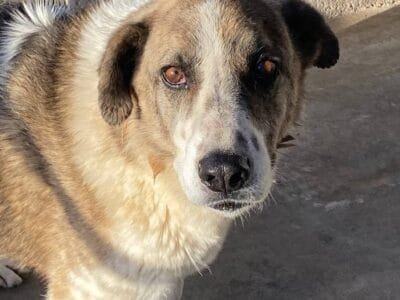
x: 209, y: 178
x: 236, y: 180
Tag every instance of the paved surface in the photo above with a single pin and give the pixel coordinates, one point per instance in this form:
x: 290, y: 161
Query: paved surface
x: 335, y: 8
x: 333, y: 231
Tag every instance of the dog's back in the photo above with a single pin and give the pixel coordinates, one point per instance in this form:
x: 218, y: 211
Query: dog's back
x: 23, y: 189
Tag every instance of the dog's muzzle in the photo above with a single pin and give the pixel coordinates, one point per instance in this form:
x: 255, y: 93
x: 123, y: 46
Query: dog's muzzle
x: 224, y: 173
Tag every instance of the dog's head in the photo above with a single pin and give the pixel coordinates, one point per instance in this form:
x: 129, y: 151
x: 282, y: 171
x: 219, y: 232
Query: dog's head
x: 213, y: 86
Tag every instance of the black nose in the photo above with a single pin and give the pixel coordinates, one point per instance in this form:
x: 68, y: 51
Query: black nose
x: 224, y: 173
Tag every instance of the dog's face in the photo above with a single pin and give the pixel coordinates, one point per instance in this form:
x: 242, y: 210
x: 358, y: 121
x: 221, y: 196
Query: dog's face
x: 213, y: 86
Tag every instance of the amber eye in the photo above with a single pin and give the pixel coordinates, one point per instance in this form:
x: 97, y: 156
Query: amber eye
x: 267, y: 66
x: 174, y: 77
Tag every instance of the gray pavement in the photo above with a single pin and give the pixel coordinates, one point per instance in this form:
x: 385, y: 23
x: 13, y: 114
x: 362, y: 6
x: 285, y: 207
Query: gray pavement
x: 333, y: 230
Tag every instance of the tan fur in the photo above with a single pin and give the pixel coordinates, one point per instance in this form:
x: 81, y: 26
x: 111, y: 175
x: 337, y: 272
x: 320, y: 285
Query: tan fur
x: 90, y: 195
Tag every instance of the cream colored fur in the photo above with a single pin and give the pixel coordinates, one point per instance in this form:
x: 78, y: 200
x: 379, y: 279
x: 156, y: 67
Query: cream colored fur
x: 167, y: 237
x: 120, y: 210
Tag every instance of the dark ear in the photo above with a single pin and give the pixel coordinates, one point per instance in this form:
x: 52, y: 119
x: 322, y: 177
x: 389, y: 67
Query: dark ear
x: 116, y: 94
x: 314, y: 40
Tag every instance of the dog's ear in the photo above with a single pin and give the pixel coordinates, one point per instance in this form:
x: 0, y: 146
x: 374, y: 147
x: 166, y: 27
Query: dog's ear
x: 116, y: 93
x: 313, y: 39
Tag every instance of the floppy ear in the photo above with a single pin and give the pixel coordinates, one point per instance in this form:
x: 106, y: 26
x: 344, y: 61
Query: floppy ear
x: 314, y: 41
x: 116, y: 93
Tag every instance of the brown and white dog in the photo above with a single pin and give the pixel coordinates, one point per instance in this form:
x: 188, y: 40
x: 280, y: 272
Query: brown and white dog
x: 133, y: 132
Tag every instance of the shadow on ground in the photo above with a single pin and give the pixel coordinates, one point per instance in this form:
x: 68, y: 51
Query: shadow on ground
x: 333, y: 231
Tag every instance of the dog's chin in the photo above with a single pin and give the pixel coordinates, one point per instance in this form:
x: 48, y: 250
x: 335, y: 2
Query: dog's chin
x: 232, y: 209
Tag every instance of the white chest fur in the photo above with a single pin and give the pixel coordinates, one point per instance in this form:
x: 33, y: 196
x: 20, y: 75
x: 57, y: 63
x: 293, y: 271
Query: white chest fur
x: 103, y: 283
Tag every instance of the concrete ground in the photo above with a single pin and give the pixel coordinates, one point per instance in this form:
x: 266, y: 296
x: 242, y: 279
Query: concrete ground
x: 333, y: 231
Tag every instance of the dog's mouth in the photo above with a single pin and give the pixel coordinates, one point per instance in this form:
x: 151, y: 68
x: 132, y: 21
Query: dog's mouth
x: 230, y: 206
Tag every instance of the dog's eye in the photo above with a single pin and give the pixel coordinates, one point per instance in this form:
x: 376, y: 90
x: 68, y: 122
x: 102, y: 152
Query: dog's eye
x: 174, y: 77
x: 267, y: 66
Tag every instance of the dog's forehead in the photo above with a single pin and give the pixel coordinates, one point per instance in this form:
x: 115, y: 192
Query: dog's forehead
x: 201, y: 26
x: 223, y: 26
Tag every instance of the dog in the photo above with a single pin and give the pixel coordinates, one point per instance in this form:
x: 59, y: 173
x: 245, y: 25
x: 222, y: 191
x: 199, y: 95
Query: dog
x: 133, y: 132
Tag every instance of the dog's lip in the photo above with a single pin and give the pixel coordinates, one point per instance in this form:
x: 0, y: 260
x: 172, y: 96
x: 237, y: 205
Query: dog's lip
x: 230, y: 206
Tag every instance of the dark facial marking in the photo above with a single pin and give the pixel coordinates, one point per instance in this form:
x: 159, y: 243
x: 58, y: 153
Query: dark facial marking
x: 255, y: 143
x: 240, y: 139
